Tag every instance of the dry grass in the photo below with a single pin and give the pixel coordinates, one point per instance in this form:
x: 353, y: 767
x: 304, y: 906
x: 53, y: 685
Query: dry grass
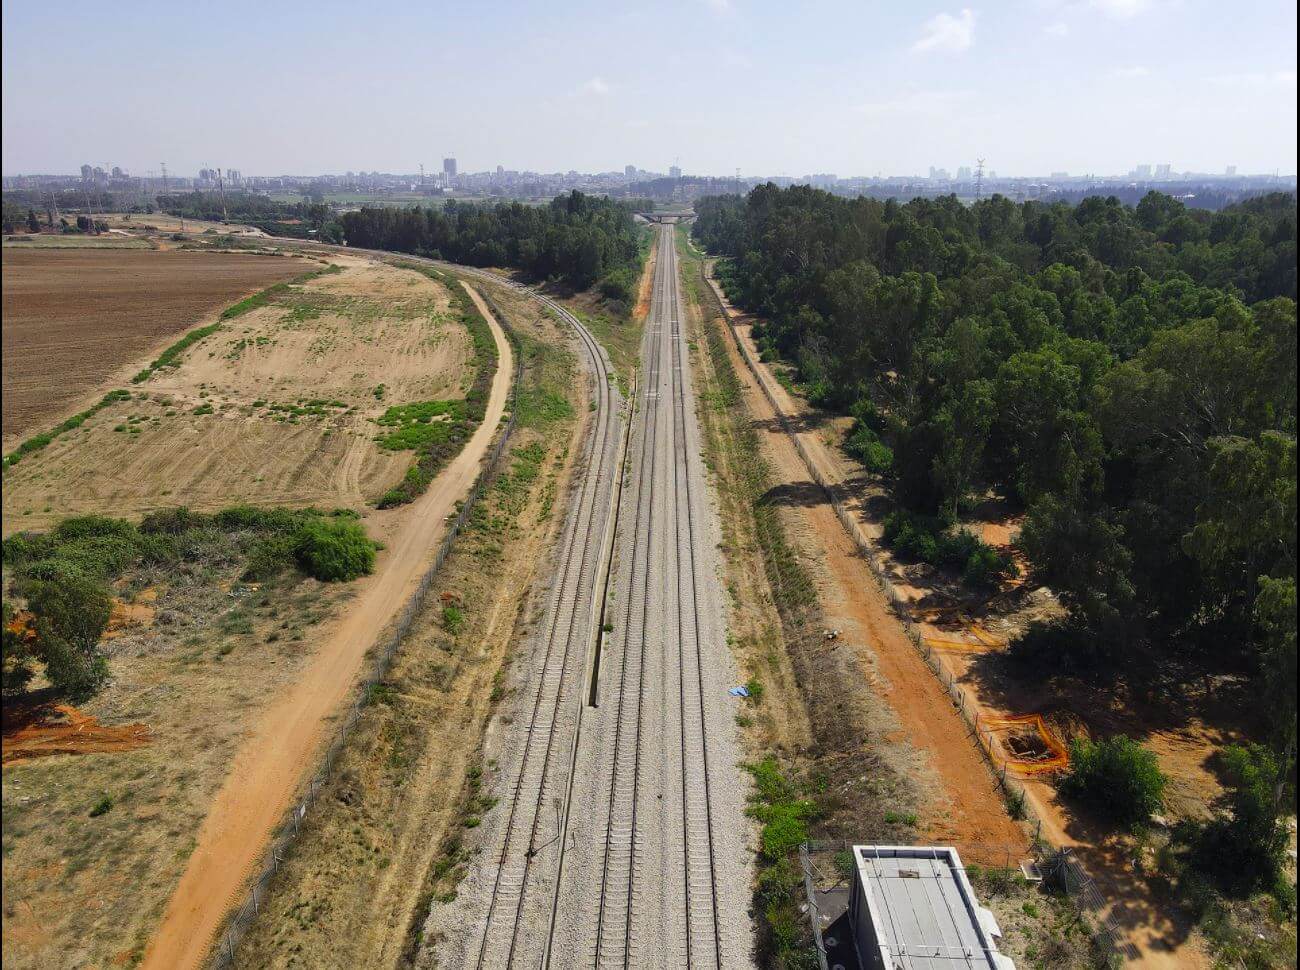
x: 275, y: 407
x: 383, y: 841
x: 87, y: 891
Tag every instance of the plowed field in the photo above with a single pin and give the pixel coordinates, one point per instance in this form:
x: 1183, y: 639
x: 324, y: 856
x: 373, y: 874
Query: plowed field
x: 73, y: 318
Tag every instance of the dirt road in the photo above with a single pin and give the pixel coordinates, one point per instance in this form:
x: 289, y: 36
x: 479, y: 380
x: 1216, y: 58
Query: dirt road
x: 968, y: 809
x: 1152, y: 936
x: 282, y: 747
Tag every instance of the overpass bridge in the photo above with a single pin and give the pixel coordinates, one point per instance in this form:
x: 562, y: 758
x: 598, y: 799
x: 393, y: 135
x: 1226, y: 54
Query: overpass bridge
x: 668, y: 217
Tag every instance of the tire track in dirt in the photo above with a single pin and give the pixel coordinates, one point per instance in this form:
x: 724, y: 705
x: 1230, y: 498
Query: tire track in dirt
x: 268, y: 770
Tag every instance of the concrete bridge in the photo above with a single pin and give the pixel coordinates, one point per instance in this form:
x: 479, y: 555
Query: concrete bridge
x: 667, y: 216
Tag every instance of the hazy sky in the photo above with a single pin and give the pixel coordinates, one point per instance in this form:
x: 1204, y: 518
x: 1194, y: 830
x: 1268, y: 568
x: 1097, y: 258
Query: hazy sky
x: 854, y: 88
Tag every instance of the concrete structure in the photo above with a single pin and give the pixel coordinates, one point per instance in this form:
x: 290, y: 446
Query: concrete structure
x: 449, y: 167
x: 912, y: 908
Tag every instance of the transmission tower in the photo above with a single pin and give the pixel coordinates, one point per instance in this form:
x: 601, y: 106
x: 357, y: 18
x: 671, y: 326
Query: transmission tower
x: 979, y: 178
x: 221, y: 187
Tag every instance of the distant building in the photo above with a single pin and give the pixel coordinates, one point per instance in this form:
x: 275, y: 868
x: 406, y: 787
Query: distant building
x: 87, y: 172
x: 1162, y: 171
x: 1230, y: 171
x: 939, y: 174
x: 963, y: 173
x: 674, y: 171
x: 1060, y: 176
x: 913, y: 907
x: 629, y: 171
x: 449, y: 167
x: 1141, y: 172
x: 118, y: 173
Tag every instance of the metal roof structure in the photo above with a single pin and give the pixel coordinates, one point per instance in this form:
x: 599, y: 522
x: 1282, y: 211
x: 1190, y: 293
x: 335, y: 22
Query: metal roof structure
x: 912, y: 908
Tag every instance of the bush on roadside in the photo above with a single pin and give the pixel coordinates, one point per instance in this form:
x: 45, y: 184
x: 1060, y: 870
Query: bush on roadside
x: 1116, y: 777
x: 925, y: 538
x: 334, y: 550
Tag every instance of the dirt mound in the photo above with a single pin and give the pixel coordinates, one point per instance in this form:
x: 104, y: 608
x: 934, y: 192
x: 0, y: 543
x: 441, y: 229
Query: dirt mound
x: 40, y: 730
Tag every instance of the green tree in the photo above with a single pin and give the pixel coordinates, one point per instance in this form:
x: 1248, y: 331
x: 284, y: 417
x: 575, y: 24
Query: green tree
x: 964, y: 424
x: 69, y: 616
x: 1243, y: 849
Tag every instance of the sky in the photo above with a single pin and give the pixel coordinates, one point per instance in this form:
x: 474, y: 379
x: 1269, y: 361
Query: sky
x: 771, y: 88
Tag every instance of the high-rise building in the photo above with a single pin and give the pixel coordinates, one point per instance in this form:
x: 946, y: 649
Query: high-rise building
x: 1229, y: 171
x: 674, y: 171
x: 1142, y: 172
x: 963, y: 173
x: 86, y: 172
x: 449, y: 167
x: 941, y: 174
x: 1162, y: 171
x: 629, y: 171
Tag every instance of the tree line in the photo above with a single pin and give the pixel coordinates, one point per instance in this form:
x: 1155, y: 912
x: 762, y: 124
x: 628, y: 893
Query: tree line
x: 1126, y: 373
x: 579, y: 239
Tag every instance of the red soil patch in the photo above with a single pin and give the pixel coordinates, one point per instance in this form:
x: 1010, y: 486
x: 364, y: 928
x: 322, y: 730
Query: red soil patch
x: 41, y: 730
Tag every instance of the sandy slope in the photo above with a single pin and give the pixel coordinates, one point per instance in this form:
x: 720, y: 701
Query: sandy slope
x: 282, y: 748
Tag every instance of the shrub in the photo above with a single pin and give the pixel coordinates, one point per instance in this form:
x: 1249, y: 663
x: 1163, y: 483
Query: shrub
x: 1242, y: 851
x: 1117, y: 777
x: 334, y: 550
x: 985, y: 566
x: 865, y: 445
x: 69, y: 617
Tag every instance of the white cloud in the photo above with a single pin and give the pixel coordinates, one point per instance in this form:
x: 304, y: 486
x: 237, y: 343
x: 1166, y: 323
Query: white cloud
x: 914, y: 103
x: 1121, y: 9
x: 945, y: 32
x: 597, y: 86
x: 1136, y: 70
x: 1058, y: 29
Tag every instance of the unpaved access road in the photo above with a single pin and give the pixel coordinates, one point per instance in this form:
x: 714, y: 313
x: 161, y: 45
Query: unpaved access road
x: 633, y: 845
x: 967, y: 808
x: 283, y: 746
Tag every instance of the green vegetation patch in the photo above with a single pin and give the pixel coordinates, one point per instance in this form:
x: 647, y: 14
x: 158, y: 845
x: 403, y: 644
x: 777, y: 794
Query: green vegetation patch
x: 437, y: 430
x: 64, y: 576
x: 1117, y: 777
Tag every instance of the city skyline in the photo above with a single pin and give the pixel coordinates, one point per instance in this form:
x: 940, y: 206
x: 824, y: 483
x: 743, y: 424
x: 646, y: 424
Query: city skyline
x: 1039, y: 86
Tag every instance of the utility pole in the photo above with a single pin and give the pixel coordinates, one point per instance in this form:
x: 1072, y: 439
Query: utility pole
x: 221, y: 187
x: 979, y: 179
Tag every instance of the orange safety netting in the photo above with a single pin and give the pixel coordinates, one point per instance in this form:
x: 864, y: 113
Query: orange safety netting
x: 1058, y: 755
x: 985, y: 641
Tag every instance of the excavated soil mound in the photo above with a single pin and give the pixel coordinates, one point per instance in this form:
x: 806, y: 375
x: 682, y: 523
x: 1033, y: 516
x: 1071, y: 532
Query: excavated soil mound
x: 40, y: 730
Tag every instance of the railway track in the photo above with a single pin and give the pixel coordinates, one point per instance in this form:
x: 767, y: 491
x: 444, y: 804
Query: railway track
x: 664, y: 913
x: 543, y: 771
x: 616, y: 844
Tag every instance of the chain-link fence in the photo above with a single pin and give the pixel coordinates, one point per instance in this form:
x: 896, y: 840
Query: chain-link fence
x: 1079, y: 885
x: 238, y: 923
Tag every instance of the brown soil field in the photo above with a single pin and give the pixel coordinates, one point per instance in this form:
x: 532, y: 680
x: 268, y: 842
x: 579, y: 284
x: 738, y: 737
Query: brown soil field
x: 229, y: 423
x: 76, y: 319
